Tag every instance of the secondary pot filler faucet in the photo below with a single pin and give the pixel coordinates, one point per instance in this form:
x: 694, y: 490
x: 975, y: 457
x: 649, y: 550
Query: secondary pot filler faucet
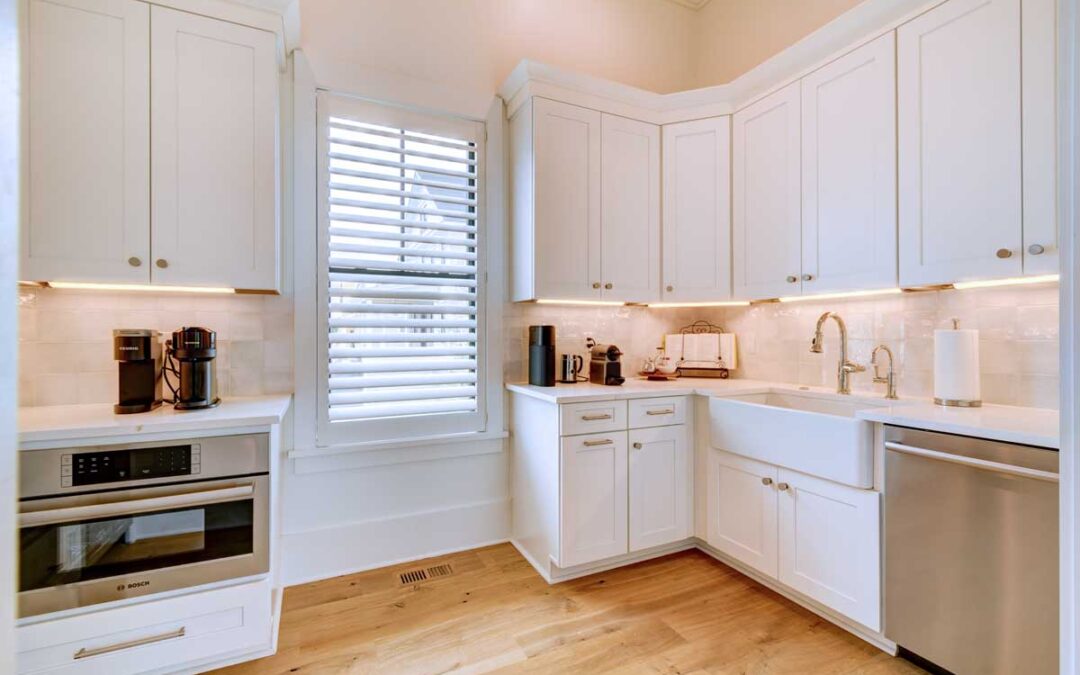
x: 845, y: 368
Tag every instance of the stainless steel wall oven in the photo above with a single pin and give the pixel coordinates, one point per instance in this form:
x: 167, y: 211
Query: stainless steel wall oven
x: 103, y: 523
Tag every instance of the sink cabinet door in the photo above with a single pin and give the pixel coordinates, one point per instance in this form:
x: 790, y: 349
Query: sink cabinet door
x: 593, y: 498
x: 830, y: 545
x: 741, y: 503
x: 659, y: 486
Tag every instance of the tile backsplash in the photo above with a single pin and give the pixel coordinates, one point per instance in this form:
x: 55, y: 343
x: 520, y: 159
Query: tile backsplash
x: 1018, y: 329
x: 65, y: 340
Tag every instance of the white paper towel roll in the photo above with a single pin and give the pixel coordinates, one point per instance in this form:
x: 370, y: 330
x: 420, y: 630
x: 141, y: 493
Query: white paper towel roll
x: 956, y: 366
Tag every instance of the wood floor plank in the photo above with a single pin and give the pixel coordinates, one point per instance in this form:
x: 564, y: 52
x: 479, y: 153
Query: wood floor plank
x: 684, y: 614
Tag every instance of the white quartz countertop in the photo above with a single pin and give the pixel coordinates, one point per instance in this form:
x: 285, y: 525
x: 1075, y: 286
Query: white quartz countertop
x: 49, y: 424
x: 1012, y: 424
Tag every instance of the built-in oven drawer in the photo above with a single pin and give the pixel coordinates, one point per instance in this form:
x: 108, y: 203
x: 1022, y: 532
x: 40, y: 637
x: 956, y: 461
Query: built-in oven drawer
x: 87, y: 549
x: 181, y: 631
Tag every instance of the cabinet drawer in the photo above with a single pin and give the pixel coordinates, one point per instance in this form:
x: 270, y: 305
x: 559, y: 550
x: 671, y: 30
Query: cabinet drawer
x: 657, y: 412
x: 160, y: 634
x: 592, y: 418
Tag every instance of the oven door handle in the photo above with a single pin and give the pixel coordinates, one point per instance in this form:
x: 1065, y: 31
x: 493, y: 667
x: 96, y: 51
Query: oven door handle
x: 134, y: 506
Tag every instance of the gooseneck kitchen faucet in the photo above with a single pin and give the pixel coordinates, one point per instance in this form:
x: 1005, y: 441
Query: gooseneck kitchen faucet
x: 845, y: 368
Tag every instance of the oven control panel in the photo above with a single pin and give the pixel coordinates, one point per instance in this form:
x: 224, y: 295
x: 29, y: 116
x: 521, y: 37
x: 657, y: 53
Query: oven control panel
x: 114, y: 466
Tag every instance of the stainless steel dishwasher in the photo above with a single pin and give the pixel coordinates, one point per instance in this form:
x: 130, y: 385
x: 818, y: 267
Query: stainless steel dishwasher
x: 971, y: 552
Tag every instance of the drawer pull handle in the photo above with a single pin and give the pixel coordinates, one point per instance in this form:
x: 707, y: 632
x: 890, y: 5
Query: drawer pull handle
x: 85, y: 653
x: 593, y: 444
x: 665, y: 411
x: 593, y: 418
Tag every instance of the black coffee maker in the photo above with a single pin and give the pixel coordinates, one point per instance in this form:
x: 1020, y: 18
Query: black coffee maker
x: 138, y: 352
x: 194, y: 349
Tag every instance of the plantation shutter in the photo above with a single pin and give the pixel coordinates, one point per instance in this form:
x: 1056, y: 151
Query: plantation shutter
x: 400, y: 196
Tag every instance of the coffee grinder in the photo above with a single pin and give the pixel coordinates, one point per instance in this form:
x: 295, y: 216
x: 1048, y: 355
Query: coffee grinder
x: 194, y: 349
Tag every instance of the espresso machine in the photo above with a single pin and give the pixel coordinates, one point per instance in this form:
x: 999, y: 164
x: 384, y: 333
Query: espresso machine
x: 605, y: 365
x: 138, y: 352
x: 190, y: 354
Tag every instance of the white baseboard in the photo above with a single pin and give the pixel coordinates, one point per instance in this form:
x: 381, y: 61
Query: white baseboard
x: 357, y: 547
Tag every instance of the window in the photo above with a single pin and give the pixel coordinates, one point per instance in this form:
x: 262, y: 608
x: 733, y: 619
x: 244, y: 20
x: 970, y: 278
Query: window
x: 401, y: 273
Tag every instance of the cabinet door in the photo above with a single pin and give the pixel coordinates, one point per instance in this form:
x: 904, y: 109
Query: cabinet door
x: 87, y: 199
x: 830, y: 545
x: 566, y: 194
x: 213, y: 109
x: 741, y: 509
x: 958, y: 69
x: 630, y: 210
x: 766, y: 257
x: 1040, y: 150
x: 592, y: 503
x: 849, y: 172
x: 697, y: 211
x: 659, y: 486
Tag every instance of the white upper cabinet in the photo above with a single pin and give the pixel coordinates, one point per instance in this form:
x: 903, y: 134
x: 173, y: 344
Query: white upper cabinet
x: 151, y: 147
x: 697, y: 211
x: 766, y: 226
x: 849, y: 172
x: 630, y: 209
x: 556, y: 201
x: 214, y: 152
x: 585, y: 204
x: 1040, y: 122
x: 87, y: 186
x: 959, y: 117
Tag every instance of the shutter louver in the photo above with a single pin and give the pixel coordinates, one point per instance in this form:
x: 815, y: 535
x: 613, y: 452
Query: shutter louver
x: 402, y: 314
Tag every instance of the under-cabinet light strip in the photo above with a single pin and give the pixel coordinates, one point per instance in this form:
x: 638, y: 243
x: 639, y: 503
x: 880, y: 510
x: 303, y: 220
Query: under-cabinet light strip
x: 672, y: 305
x: 1014, y: 281
x: 138, y: 287
x: 839, y: 296
x: 597, y: 303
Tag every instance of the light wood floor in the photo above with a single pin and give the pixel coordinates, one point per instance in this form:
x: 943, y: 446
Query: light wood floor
x: 684, y: 613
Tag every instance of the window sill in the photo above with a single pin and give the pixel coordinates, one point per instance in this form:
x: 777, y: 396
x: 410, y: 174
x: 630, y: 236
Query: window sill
x: 382, y: 453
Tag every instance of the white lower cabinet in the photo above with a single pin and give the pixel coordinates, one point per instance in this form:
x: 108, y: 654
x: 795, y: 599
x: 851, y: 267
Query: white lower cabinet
x: 593, y: 503
x: 659, y: 487
x: 817, y: 537
x: 179, y: 632
x: 741, y: 516
x: 829, y: 546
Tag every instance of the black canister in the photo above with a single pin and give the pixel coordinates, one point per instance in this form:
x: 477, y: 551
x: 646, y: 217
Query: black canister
x: 542, y: 356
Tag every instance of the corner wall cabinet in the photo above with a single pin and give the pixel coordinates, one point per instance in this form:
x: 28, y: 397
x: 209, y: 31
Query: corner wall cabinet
x: 586, y: 204
x: 151, y: 147
x: 697, y: 211
x: 976, y: 155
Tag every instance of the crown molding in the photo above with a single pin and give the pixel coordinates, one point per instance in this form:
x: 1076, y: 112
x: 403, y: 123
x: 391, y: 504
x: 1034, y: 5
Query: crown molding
x: 863, y: 23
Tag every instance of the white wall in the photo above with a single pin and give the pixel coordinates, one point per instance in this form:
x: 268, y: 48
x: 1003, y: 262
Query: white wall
x: 9, y: 209
x: 451, y: 55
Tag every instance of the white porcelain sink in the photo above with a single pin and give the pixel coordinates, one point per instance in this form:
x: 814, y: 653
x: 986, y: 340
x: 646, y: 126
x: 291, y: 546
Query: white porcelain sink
x: 808, y: 432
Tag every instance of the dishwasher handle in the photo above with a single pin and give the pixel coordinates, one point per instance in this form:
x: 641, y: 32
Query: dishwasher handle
x: 986, y: 465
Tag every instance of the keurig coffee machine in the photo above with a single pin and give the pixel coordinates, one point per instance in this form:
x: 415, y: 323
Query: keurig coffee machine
x: 194, y: 349
x: 139, y: 354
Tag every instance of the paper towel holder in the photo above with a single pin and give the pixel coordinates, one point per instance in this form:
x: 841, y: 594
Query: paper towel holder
x: 957, y: 403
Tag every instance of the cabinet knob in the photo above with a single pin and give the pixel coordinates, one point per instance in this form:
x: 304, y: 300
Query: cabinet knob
x: 670, y: 289
x: 782, y: 486
x: 1004, y: 253
x: 637, y: 446
x: 808, y: 277
x: 162, y: 263
x: 1036, y: 249
x: 792, y: 278
x: 596, y: 284
x: 766, y: 481
x: 609, y: 286
x: 134, y: 261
